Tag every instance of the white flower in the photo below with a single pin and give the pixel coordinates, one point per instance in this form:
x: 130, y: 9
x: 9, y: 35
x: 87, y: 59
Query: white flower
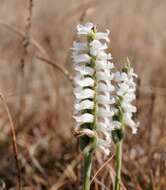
x: 86, y: 104
x: 125, y: 94
x: 104, y: 145
x: 84, y: 29
x: 84, y: 118
x: 84, y: 70
x: 96, y: 46
x: 103, y: 36
x: 81, y: 58
x: 82, y: 94
x: 93, y: 87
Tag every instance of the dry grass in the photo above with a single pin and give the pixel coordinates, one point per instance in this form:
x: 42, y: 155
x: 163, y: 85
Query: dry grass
x: 40, y: 97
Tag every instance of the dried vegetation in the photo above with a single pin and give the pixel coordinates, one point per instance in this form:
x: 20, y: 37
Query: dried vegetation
x: 35, y: 69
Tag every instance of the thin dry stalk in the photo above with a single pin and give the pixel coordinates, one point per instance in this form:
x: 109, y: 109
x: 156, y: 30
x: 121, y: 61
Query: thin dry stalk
x: 22, y: 34
x: 25, y: 44
x: 41, y: 50
x: 152, y: 180
x: 150, y: 123
x: 14, y: 143
x: 29, y: 18
x: 101, y: 183
x: 61, y: 180
x: 98, y: 171
x: 137, y: 185
x: 26, y: 37
x: 58, y: 67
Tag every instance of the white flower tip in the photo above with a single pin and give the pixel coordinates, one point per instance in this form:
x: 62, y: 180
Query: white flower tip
x: 106, y: 151
x: 85, y: 29
x: 135, y: 129
x: 108, y: 31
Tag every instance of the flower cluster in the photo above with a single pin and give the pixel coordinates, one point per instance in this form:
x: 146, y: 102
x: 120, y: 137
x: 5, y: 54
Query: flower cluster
x: 125, y: 94
x: 100, y: 106
x: 93, y: 86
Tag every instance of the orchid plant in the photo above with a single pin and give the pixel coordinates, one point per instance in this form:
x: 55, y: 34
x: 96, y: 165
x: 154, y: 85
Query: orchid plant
x: 103, y: 98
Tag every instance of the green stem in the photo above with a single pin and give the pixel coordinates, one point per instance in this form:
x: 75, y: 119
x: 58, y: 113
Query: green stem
x: 87, y: 170
x: 118, y: 165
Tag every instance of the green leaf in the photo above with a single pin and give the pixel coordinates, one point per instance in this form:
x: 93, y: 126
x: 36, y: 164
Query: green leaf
x: 117, y: 135
x: 84, y: 142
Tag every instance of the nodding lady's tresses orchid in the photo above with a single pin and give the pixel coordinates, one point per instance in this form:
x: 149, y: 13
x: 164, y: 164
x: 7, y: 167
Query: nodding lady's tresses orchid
x: 125, y: 89
x: 103, y: 99
x: 93, y: 87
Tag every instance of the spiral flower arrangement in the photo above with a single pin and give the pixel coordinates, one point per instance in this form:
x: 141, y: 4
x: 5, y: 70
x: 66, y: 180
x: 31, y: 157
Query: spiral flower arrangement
x: 103, y: 98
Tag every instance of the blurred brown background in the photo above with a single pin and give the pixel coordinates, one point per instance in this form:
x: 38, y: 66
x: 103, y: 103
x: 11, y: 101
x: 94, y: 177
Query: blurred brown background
x: 40, y: 97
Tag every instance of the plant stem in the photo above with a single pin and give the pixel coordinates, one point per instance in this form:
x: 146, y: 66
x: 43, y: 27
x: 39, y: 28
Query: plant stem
x: 87, y: 170
x: 118, y: 165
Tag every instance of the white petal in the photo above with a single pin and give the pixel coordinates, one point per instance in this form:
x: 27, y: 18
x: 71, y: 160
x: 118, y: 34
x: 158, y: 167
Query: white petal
x: 105, y: 130
x: 115, y: 125
x: 86, y: 104
x: 100, y: 75
x: 104, y: 146
x: 77, y: 89
x: 104, y: 56
x: 103, y: 35
x: 101, y: 126
x: 84, y: 70
x: 96, y: 47
x: 79, y: 46
x: 134, y: 130
x: 102, y: 87
x: 84, y: 29
x: 86, y: 82
x: 105, y: 100
x: 105, y: 113
x: 128, y: 107
x: 101, y: 64
x: 128, y: 121
x: 81, y: 58
x: 123, y: 87
x: 86, y: 93
x: 109, y: 56
x: 85, y: 118
x: 96, y: 44
x: 110, y: 65
x: 129, y: 97
x: 121, y: 77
